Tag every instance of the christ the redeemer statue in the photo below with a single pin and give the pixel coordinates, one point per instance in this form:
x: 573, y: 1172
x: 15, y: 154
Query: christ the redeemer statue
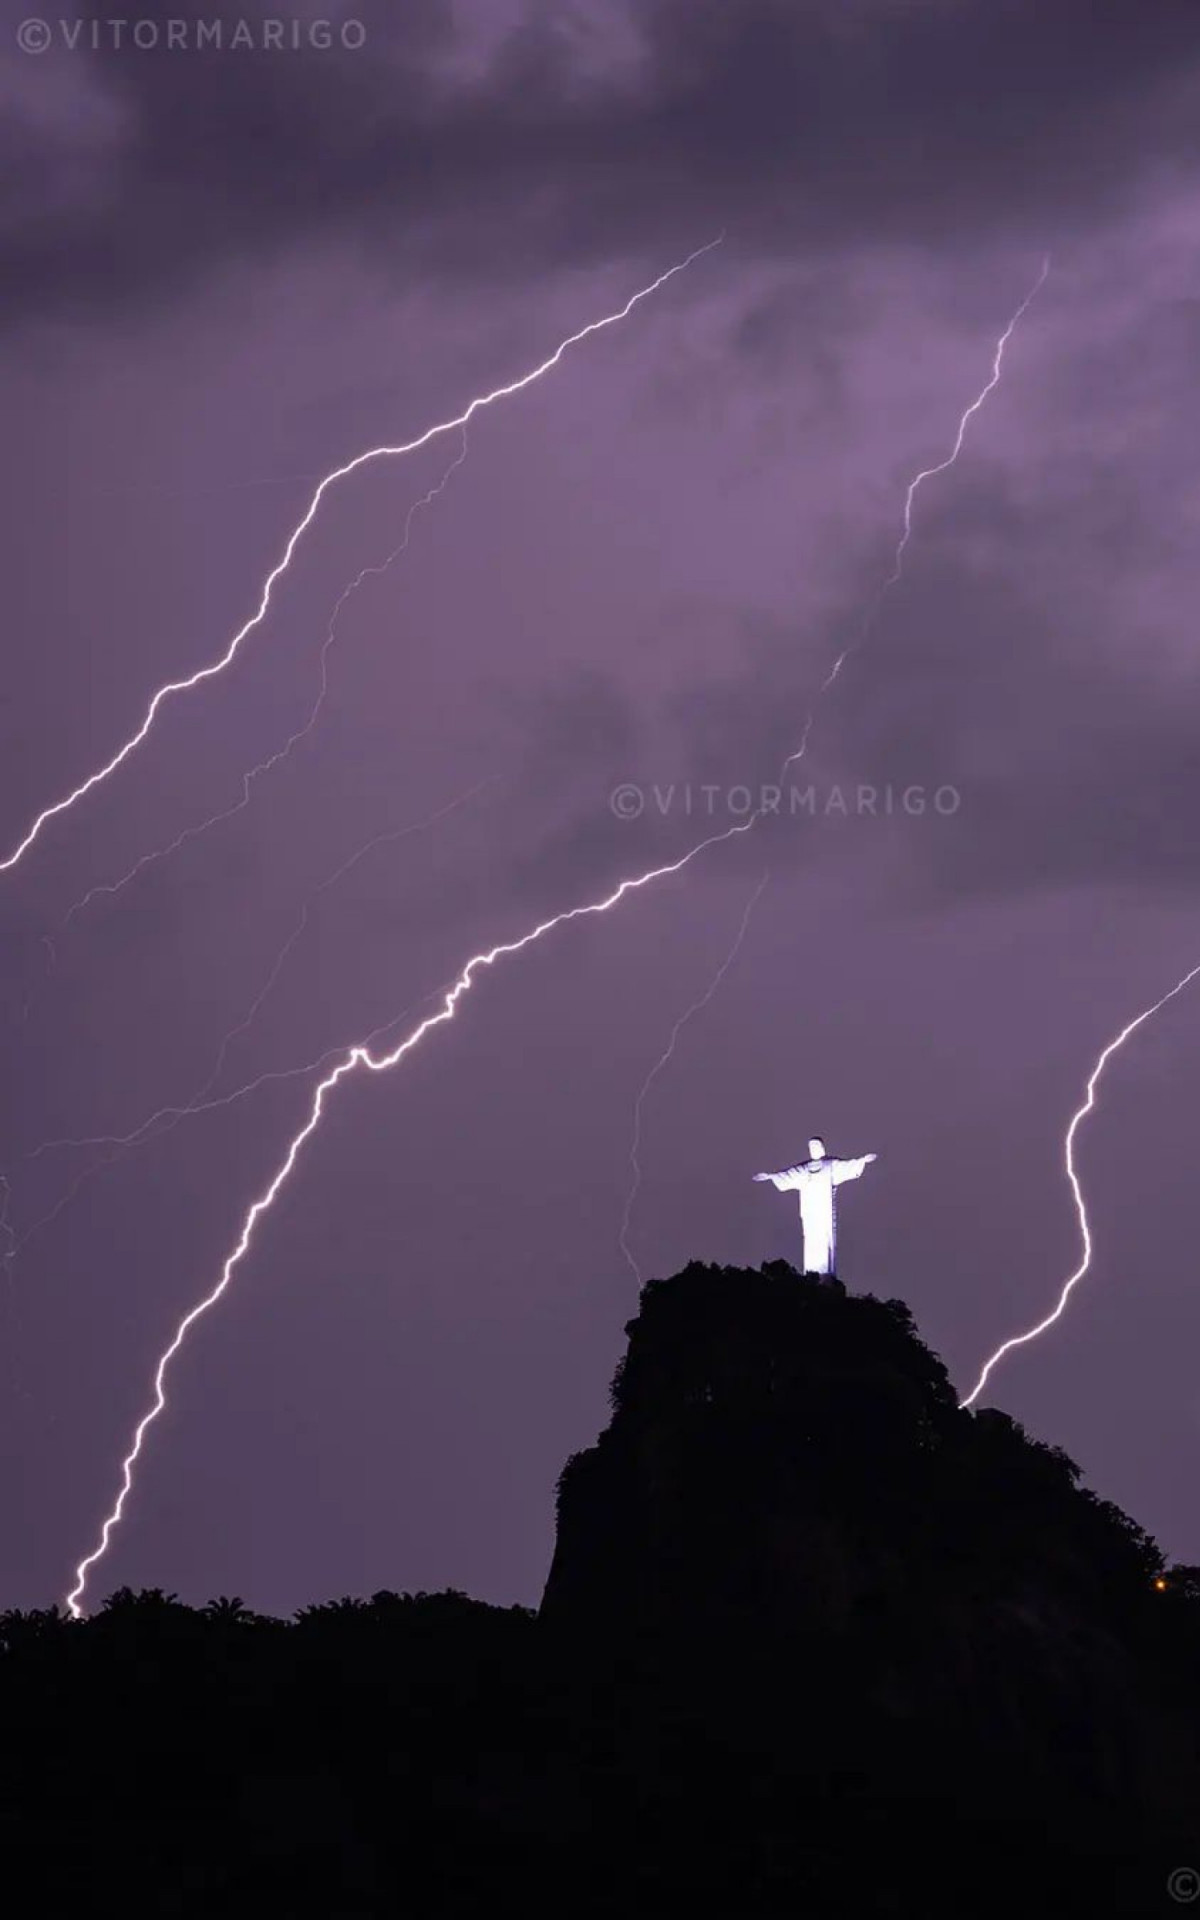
x: 816, y: 1179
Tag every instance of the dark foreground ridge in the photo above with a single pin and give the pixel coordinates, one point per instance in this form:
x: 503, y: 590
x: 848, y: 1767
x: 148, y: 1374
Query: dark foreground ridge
x: 813, y: 1642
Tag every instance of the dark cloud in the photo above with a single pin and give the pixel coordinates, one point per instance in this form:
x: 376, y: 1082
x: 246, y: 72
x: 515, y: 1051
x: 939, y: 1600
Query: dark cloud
x: 1015, y: 673
x: 1032, y: 660
x: 789, y: 124
x: 1073, y: 770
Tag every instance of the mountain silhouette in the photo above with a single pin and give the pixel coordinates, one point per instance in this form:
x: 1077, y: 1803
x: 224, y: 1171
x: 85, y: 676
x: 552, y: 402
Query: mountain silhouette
x: 813, y: 1640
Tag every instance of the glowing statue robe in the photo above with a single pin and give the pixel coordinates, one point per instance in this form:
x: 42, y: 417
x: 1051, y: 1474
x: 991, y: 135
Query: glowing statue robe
x: 815, y: 1181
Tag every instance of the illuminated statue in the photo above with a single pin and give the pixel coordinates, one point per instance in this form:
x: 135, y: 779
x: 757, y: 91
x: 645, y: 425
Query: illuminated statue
x: 815, y: 1180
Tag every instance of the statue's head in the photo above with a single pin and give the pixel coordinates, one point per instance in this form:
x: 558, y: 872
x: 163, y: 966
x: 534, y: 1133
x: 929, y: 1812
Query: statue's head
x: 816, y: 1149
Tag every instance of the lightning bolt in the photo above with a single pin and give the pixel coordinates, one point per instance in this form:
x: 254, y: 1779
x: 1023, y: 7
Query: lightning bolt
x: 200, y: 1102
x: 1081, y: 1213
x: 663, y: 1061
x: 914, y: 487
x: 355, y: 1058
x: 301, y: 733
x: 388, y: 837
x: 360, y: 1056
x: 173, y: 1116
x: 481, y: 401
x: 931, y: 473
x: 190, y: 1111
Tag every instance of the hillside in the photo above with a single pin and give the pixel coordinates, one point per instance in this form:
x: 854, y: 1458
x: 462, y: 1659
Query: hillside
x: 813, y: 1639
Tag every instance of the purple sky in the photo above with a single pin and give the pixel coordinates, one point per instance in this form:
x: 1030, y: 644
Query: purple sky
x: 226, y: 273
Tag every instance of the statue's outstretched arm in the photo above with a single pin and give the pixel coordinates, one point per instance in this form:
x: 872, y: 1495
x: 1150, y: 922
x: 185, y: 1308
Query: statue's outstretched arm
x: 789, y: 1177
x: 850, y: 1169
